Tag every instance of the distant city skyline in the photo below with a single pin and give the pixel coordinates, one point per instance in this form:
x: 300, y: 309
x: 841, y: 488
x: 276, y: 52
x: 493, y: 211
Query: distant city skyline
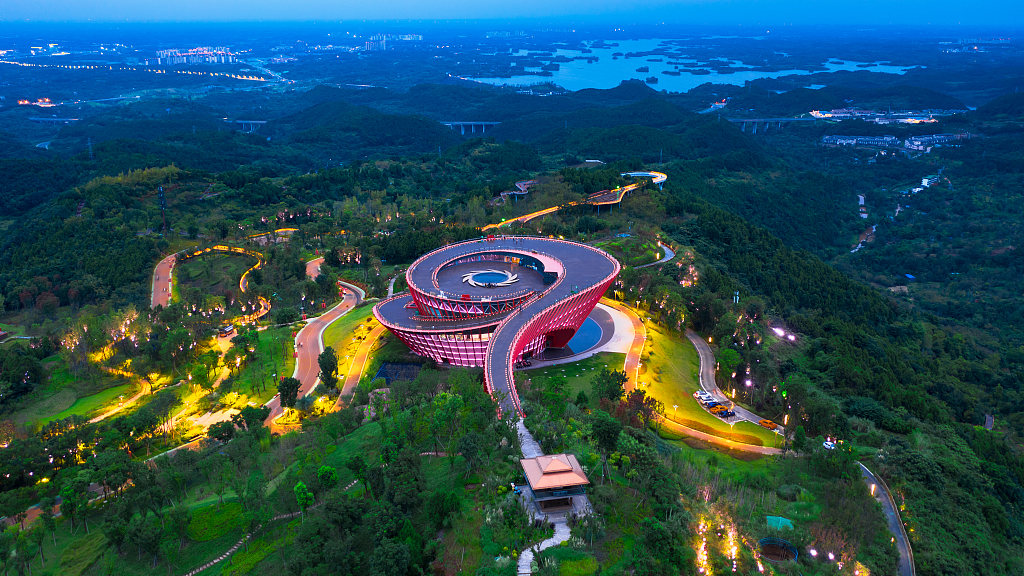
x: 1001, y: 13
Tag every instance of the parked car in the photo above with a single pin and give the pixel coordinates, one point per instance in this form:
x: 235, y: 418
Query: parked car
x: 768, y: 424
x: 829, y: 445
x: 725, y: 414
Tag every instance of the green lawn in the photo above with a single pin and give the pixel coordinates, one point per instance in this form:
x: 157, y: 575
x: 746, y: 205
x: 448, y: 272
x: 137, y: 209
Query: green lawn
x: 347, y: 333
x: 94, y: 404
x: 213, y: 273
x: 14, y: 330
x: 673, y: 360
x: 578, y: 375
x: 364, y: 441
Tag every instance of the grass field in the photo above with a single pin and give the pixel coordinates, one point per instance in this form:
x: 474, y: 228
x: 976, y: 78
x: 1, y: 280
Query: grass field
x: 13, y: 329
x: 347, y: 333
x: 213, y: 273
x: 578, y: 375
x: 670, y: 375
x: 91, y: 405
x: 274, y: 355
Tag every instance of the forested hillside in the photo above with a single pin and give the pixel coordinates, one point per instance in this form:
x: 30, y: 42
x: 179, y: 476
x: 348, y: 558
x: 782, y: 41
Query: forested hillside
x: 906, y: 371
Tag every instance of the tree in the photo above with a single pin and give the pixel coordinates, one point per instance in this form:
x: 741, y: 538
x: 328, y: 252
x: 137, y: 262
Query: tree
x: 358, y: 467
x: 606, y: 431
x: 223, y: 431
x: 116, y: 530
x: 728, y: 360
x: 6, y: 548
x: 251, y: 417
x: 609, y: 384
x: 328, y: 477
x: 47, y: 517
x: 38, y: 535
x: 289, y: 391
x: 304, y: 497
x: 800, y: 439
x: 70, y: 498
x: 447, y: 422
x: 167, y: 552
x: 328, y: 361
x: 582, y: 400
x: 390, y: 558
x: 471, y: 448
x: 180, y: 517
x: 23, y: 549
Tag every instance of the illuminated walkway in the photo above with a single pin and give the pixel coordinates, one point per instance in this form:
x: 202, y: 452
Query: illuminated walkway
x: 603, y: 198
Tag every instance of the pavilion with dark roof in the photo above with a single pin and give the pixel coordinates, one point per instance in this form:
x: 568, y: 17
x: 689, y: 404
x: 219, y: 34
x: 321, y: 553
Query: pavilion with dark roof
x: 554, y: 480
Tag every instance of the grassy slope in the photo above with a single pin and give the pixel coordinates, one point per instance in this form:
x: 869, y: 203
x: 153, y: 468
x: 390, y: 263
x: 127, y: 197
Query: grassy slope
x: 677, y: 359
x: 339, y: 335
x: 270, y: 360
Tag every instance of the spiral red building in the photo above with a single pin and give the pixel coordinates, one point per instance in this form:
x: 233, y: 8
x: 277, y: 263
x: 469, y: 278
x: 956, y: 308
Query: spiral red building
x: 494, y: 301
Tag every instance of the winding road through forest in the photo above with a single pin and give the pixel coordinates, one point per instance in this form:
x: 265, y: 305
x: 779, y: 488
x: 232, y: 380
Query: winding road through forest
x: 309, y: 342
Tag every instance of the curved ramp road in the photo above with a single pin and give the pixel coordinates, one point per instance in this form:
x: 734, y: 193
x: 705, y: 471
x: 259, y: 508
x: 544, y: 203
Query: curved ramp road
x: 707, y: 379
x: 892, y: 518
x: 309, y: 342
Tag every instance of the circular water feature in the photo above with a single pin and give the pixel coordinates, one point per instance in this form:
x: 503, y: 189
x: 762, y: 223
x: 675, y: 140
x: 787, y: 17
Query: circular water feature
x: 489, y: 277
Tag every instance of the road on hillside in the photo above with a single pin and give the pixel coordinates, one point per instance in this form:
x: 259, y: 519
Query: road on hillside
x: 707, y: 379
x: 309, y: 342
x: 161, y: 293
x: 632, y: 369
x: 669, y: 254
x: 892, y: 518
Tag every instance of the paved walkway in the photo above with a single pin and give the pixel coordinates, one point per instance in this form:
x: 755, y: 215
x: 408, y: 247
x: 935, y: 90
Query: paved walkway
x: 359, y: 359
x: 581, y: 505
x: 636, y: 347
x: 717, y: 440
x: 892, y: 517
x: 669, y: 254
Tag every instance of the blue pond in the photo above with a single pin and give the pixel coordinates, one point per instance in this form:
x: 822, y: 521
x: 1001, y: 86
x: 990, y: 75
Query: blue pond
x: 586, y: 337
x: 486, y: 277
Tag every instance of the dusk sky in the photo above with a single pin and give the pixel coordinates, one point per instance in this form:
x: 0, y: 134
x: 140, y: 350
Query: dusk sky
x: 999, y: 13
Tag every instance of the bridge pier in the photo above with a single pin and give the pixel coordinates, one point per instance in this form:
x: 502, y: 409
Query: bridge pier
x: 755, y: 128
x: 743, y: 127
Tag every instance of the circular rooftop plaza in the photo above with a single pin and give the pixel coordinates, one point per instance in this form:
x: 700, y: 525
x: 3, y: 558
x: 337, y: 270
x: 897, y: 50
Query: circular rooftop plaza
x: 494, y: 301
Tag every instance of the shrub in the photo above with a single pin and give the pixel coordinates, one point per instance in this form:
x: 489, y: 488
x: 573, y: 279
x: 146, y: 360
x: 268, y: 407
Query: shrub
x: 789, y: 492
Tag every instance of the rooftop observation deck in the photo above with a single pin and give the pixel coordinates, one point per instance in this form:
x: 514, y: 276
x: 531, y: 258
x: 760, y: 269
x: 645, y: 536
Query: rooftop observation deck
x: 579, y: 268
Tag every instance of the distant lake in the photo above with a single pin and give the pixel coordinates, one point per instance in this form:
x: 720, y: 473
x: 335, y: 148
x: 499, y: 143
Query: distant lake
x: 608, y: 73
